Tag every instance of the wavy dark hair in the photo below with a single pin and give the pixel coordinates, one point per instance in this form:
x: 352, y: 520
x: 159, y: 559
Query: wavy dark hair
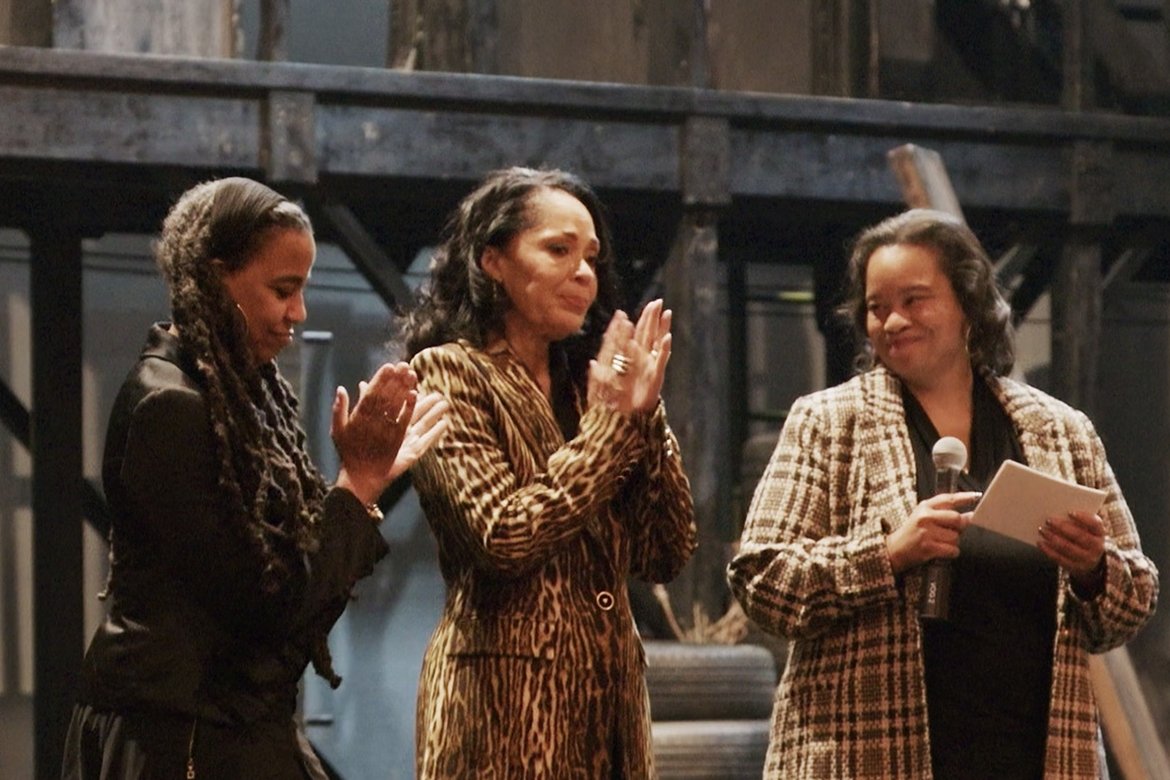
x: 270, y: 488
x: 991, y: 341
x: 461, y: 302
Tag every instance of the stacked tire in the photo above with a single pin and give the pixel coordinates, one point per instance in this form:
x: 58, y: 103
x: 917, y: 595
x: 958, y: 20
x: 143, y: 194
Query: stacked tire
x: 710, y: 707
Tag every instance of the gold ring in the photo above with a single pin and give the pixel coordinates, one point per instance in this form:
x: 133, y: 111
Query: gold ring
x: 620, y: 364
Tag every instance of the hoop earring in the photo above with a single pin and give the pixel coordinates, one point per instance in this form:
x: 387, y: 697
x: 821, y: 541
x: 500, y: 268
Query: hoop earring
x: 244, y: 316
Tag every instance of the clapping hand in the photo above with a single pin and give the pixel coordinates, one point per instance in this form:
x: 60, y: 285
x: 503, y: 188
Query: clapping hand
x: 369, y: 439
x: 628, y: 372
x: 427, y: 425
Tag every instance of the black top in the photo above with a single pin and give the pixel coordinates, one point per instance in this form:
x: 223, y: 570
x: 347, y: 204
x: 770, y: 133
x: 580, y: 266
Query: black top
x: 989, y: 665
x: 190, y: 636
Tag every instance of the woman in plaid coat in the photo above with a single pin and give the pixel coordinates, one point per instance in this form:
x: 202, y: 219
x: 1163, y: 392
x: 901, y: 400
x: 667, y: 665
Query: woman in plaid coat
x: 845, y: 516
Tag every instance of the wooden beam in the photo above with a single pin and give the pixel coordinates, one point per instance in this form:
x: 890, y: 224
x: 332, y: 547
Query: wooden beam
x: 14, y: 415
x: 365, y: 253
x: 697, y: 403
x: 1077, y: 91
x: 696, y: 391
x: 211, y: 118
x: 1076, y: 323
x: 705, y: 161
x: 923, y: 179
x: 272, y: 41
x: 843, y: 35
x: 56, y: 438
x: 26, y: 23
x: 1125, y: 265
x: 1129, y: 726
x: 1129, y: 62
x: 200, y: 28
x: 17, y: 419
x: 288, y: 149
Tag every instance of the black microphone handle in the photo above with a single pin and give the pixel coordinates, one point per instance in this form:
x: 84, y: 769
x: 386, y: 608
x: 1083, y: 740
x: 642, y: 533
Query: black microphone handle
x: 935, y: 602
x: 936, y: 590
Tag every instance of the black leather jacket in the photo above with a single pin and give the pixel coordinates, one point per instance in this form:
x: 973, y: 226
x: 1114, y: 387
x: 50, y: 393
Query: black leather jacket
x: 189, y: 631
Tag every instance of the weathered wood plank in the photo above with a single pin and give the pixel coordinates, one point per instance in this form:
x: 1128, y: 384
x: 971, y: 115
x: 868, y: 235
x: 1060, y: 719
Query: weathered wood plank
x: 923, y: 179
x: 462, y: 145
x: 26, y: 23
x: 128, y: 127
x: 375, y: 87
x: 367, y: 123
x: 695, y: 394
x: 203, y: 28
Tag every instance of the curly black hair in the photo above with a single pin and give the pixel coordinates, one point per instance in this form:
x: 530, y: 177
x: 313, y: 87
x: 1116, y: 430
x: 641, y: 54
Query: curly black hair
x: 462, y: 302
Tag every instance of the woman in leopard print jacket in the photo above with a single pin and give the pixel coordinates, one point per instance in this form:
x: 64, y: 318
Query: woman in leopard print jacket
x: 559, y: 477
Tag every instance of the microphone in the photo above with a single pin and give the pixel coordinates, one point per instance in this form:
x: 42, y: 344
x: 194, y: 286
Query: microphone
x: 949, y: 456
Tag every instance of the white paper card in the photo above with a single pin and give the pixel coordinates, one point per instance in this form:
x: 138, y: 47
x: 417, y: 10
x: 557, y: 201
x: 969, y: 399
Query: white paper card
x: 1019, y: 499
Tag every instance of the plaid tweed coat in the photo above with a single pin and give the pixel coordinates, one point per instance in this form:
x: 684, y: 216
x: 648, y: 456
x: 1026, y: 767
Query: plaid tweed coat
x: 536, y: 669
x: 812, y: 567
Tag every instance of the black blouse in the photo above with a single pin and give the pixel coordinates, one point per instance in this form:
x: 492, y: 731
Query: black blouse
x: 989, y: 665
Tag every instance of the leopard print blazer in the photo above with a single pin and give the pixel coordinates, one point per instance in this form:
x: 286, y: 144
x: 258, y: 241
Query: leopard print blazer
x: 813, y: 567
x: 536, y: 669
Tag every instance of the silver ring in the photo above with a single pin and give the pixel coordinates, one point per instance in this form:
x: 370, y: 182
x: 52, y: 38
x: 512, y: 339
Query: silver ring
x: 654, y: 354
x: 620, y: 364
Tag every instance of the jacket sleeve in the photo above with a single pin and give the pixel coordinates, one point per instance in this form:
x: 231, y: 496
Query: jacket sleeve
x: 658, y: 508
x: 803, y: 565
x: 507, y: 526
x: 1129, y: 597
x: 170, y: 479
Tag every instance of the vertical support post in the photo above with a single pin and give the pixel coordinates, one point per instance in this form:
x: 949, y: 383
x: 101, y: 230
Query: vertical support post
x: 273, y: 39
x: 736, y: 366
x: 1077, y: 90
x: 697, y: 398
x: 56, y: 432
x: 844, y: 47
x: 26, y: 23
x: 1076, y: 293
x: 1076, y: 322
x: 697, y: 379
x: 700, y: 49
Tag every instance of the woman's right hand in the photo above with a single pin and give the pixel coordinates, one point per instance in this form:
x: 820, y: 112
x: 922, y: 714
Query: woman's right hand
x: 645, y: 350
x: 932, y: 531
x: 369, y: 437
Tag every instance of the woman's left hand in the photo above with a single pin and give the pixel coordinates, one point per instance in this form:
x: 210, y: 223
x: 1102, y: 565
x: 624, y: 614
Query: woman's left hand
x: 369, y: 437
x: 1076, y: 542
x: 427, y: 426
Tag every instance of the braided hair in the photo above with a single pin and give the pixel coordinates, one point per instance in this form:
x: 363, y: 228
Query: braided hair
x: 462, y: 302
x: 270, y: 489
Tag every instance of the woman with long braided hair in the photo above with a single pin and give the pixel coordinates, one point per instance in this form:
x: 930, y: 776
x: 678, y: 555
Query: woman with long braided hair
x: 231, y: 557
